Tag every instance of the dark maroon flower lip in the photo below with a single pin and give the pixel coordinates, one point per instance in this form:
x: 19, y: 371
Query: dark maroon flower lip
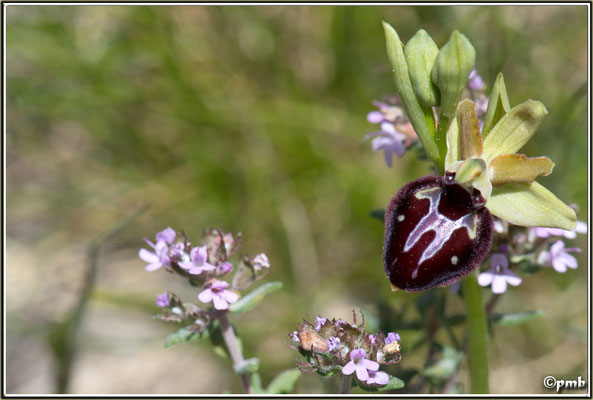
x: 436, y: 232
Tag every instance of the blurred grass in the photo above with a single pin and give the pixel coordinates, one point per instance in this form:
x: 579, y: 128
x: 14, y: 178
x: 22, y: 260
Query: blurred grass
x: 252, y: 119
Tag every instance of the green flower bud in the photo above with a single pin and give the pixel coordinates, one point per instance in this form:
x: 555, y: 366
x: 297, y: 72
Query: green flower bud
x: 453, y: 65
x: 421, y: 53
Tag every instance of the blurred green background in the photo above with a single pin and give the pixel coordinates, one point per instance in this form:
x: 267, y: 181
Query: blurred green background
x: 250, y: 119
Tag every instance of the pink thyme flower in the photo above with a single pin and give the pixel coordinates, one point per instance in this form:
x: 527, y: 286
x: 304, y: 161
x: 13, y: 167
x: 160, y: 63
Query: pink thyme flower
x: 558, y: 257
x: 217, y: 293
x: 198, y: 261
x: 224, y: 268
x: 260, y: 262
x: 167, y: 235
x: 392, y: 337
x: 155, y: 259
x: 377, y: 378
x: 332, y: 343
x: 163, y: 300
x: 360, y: 364
x: 388, y: 139
x: 475, y: 81
x: 319, y: 321
x: 499, y: 274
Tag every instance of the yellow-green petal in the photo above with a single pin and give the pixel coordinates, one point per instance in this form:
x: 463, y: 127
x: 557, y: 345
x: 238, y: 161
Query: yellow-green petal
x: 453, y: 151
x: 498, y: 105
x: 470, y: 140
x: 514, y: 129
x: 530, y: 205
x: 515, y: 168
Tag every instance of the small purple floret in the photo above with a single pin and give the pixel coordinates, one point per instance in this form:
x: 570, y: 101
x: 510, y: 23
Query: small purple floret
x: 217, y: 293
x: 163, y: 300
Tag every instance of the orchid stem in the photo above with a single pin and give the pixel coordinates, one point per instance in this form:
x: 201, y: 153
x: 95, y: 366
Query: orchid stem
x: 477, y: 334
x: 346, y: 383
x: 232, y: 344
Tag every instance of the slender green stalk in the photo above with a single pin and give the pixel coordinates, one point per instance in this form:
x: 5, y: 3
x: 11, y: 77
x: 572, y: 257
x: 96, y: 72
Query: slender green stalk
x: 346, y: 383
x: 232, y: 344
x: 477, y: 334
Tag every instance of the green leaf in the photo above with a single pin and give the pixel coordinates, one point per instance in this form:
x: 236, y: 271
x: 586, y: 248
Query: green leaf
x: 284, y: 382
x: 453, y: 65
x: 185, y: 334
x: 516, y: 318
x: 498, y: 105
x: 255, y: 383
x: 530, y: 205
x: 393, y: 383
x: 249, y: 365
x: 421, y: 53
x: 446, y: 366
x: 252, y: 299
x: 421, y: 117
x: 514, y: 129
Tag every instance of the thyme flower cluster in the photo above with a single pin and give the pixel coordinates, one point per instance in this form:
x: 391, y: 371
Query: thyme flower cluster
x: 331, y: 346
x: 528, y: 250
x: 206, y: 265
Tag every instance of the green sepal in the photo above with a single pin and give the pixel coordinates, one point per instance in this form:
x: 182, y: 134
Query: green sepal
x: 453, y: 65
x: 514, y: 129
x: 284, y: 382
x: 252, y: 299
x: 530, y: 205
x: 453, y: 148
x: 421, y: 53
x: 421, y: 117
x: 498, y: 105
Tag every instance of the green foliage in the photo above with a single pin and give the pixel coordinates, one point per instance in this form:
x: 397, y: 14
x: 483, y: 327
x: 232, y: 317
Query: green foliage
x: 248, y: 365
x: 394, y: 383
x: 284, y: 382
x: 511, y: 319
x: 185, y: 334
x: 252, y: 299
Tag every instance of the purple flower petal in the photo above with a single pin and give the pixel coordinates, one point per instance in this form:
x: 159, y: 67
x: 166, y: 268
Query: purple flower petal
x: 206, y: 296
x: 370, y: 365
x: 349, y: 368
x: 357, y: 354
x: 229, y: 296
x: 485, y: 278
x: 361, y: 373
x: 167, y: 235
x: 147, y: 256
x: 499, y: 284
x: 375, y: 117
x: 219, y: 303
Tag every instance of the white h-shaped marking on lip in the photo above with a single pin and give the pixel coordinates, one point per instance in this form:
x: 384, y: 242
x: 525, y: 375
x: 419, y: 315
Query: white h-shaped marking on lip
x: 442, y: 226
